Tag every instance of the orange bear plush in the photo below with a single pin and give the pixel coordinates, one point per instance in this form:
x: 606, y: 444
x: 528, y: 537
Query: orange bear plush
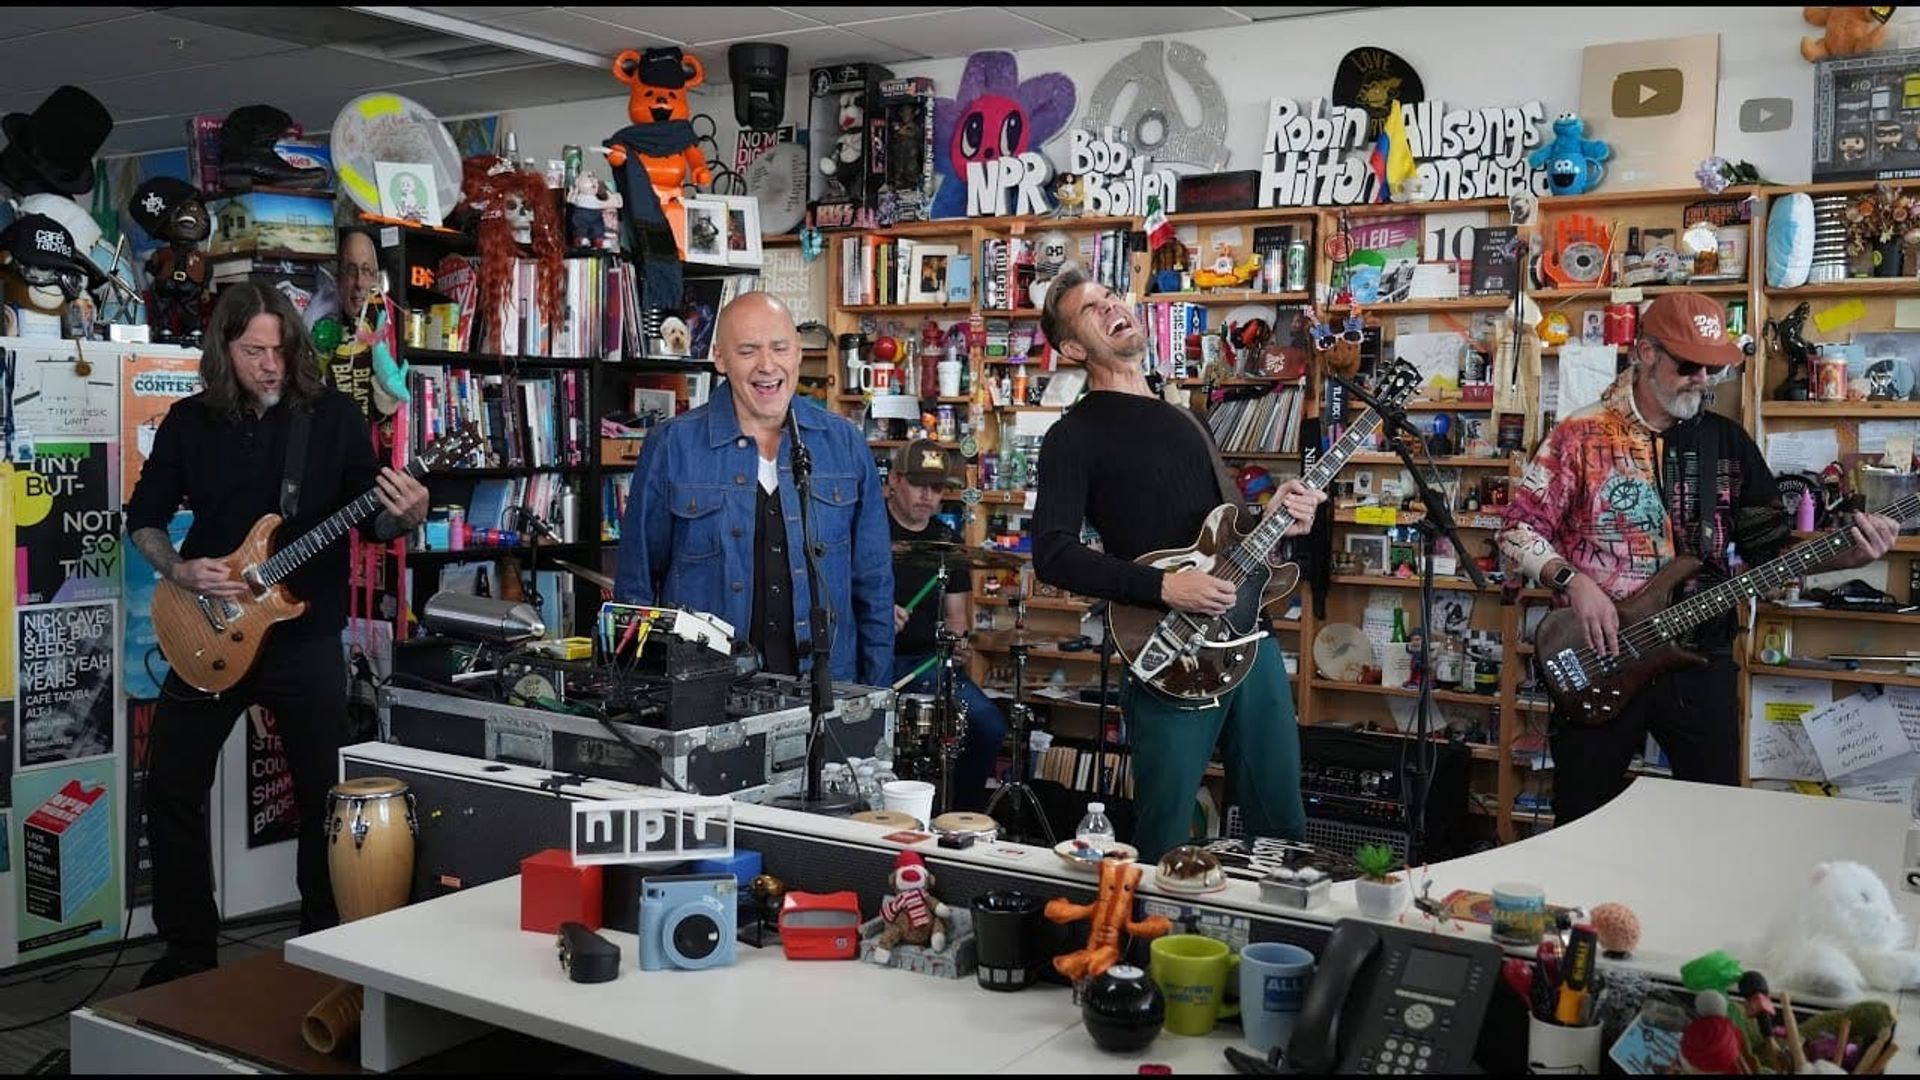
x: 1850, y: 31
x: 656, y: 155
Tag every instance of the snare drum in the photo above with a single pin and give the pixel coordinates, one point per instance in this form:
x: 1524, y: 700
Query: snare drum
x: 962, y: 823
x: 370, y: 831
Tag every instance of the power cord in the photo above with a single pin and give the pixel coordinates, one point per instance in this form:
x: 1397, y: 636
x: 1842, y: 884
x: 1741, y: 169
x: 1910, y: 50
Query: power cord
x: 126, y: 927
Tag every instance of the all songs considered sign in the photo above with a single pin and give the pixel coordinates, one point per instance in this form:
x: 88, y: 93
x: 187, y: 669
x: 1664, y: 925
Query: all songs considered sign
x: 64, y: 693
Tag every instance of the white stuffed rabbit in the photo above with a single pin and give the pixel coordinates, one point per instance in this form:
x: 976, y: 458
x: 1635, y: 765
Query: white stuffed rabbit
x: 1840, y: 936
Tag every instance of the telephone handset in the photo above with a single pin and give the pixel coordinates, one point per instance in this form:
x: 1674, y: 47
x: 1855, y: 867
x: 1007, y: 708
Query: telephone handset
x: 1385, y: 999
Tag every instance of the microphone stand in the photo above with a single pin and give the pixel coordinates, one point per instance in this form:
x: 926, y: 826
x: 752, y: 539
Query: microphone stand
x: 813, y: 799
x: 1436, y: 522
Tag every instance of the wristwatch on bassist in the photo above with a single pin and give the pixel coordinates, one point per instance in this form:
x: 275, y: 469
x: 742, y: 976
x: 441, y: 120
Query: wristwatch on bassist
x: 1560, y: 579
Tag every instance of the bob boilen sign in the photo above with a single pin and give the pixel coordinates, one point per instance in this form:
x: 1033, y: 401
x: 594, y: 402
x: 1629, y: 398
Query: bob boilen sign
x: 1318, y: 156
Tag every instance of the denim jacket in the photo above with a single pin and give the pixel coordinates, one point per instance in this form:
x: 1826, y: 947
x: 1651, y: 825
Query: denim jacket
x: 687, y: 539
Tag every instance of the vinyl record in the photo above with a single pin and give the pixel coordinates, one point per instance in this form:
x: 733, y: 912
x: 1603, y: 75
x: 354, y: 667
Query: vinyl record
x: 1372, y: 78
x: 778, y: 180
x: 384, y: 126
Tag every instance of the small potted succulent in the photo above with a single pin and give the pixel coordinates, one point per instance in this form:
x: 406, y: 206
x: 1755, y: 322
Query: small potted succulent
x: 1380, y: 892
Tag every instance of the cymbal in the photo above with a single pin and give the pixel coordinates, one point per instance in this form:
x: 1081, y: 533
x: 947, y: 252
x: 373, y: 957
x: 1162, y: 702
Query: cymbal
x: 593, y: 576
x: 1006, y: 639
x: 984, y: 558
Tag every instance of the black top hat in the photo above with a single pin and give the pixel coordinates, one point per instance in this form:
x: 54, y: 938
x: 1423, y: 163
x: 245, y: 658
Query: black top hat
x: 57, y: 141
x: 39, y: 242
x: 664, y: 67
x: 154, y: 200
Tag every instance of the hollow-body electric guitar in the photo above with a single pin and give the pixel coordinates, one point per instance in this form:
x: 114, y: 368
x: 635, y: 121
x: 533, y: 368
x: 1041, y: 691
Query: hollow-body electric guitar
x: 1197, y: 657
x: 213, y: 642
x: 1592, y: 689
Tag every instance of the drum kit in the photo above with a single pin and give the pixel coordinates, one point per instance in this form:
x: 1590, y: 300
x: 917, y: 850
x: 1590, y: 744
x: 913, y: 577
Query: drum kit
x: 932, y: 728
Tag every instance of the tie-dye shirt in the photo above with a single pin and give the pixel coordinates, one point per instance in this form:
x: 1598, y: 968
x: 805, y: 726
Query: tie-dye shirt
x: 1606, y: 494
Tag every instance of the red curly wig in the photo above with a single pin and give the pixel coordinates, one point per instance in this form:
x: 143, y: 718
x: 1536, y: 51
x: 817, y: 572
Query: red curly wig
x: 486, y: 191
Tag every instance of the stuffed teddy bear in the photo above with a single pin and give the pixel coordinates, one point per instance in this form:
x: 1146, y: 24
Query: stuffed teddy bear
x: 1840, y: 936
x: 913, y: 914
x: 1850, y: 31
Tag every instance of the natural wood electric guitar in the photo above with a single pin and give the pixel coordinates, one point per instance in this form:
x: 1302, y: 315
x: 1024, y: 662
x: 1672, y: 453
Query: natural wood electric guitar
x: 213, y: 642
x: 1592, y: 689
x: 1197, y: 657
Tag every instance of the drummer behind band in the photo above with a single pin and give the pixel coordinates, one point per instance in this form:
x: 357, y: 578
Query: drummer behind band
x: 920, y: 475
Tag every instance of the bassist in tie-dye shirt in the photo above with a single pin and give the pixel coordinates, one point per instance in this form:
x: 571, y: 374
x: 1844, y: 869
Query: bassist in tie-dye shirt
x: 1616, y: 490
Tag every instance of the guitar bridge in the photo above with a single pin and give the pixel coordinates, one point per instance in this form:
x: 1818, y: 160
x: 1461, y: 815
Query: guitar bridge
x: 1154, y: 657
x: 217, y: 612
x: 1566, y: 671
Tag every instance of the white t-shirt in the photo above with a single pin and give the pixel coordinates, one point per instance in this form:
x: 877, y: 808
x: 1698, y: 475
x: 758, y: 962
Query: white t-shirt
x: 769, y: 475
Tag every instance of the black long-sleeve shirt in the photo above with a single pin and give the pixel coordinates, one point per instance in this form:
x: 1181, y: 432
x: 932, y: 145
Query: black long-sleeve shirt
x: 1138, y: 472
x: 228, y: 471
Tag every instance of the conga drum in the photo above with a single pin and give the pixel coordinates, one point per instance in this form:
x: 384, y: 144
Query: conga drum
x: 370, y: 830
x: 979, y: 828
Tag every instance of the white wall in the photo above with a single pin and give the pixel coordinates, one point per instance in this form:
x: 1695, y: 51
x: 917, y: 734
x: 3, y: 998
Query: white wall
x: 1467, y: 56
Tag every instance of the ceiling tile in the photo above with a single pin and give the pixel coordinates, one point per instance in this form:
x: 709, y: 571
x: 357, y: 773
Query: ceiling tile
x: 851, y: 16
x: 318, y: 73
x: 810, y: 49
x: 26, y: 20
x: 579, y: 32
x: 1286, y: 12
x: 91, y: 55
x: 957, y: 33
x: 699, y: 25
x: 1112, y: 23
x: 483, y: 14
x: 547, y: 84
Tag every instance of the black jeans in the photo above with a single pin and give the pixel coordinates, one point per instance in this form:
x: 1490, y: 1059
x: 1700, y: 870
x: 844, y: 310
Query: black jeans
x: 1694, y: 713
x: 303, y: 682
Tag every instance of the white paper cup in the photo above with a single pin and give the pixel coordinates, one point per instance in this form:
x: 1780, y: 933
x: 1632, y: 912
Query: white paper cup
x: 913, y: 797
x: 1555, y: 1048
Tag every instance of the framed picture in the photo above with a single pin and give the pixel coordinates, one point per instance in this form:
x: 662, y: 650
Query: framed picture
x: 932, y: 267
x: 707, y: 229
x: 743, y: 230
x: 408, y: 192
x: 1369, y: 551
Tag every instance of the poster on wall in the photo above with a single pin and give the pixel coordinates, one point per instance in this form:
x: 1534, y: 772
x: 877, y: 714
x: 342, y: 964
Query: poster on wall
x: 1654, y: 103
x: 143, y: 666
x: 66, y: 511
x: 64, y: 697
x: 148, y: 388
x: 55, y: 400
x: 6, y: 584
x: 6, y: 743
x: 801, y: 284
x: 67, y: 889
x: 272, y: 813
x: 139, y: 855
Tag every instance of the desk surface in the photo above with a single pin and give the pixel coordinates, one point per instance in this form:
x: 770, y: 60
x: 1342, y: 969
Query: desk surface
x: 1704, y: 867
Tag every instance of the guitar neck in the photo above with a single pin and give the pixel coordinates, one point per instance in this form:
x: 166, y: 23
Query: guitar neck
x: 1260, y: 543
x: 291, y: 557
x: 1712, y: 603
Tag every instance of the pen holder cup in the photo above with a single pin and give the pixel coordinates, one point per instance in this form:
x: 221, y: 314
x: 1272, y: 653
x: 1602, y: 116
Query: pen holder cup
x: 1556, y: 1048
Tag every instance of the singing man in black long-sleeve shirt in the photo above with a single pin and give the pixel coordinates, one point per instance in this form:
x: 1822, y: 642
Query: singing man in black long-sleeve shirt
x: 1143, y: 475
x: 224, y: 452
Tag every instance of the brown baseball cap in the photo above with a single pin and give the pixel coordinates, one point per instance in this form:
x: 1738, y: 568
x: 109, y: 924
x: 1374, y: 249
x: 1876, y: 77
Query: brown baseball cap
x: 924, y: 461
x: 1691, y: 326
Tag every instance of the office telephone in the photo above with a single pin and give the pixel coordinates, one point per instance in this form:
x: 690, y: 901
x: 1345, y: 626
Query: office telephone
x: 1385, y: 999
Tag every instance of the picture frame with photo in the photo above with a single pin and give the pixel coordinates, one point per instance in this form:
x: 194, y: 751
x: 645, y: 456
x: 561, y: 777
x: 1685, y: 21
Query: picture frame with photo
x: 408, y: 192
x: 706, y: 229
x: 1369, y: 551
x: 931, y: 273
x: 742, y: 231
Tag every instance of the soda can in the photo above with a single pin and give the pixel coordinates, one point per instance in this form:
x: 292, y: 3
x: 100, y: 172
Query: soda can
x: 416, y: 329
x: 1297, y: 266
x: 571, y: 155
x: 1622, y: 322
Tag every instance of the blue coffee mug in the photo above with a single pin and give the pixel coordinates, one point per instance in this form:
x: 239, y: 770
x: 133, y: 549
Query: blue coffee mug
x: 1273, y: 982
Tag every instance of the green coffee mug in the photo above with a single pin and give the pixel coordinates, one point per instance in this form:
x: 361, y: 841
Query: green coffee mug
x: 1196, y: 974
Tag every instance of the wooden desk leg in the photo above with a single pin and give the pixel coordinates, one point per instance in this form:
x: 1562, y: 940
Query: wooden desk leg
x: 395, y: 1031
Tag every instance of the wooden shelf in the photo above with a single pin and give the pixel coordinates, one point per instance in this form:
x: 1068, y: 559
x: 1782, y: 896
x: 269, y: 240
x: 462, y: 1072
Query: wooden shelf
x: 1006, y: 313
x: 1841, y: 410
x: 439, y: 358
x: 1262, y: 455
x: 1711, y: 288
x: 1454, y: 461
x: 1883, y: 678
x: 901, y: 309
x: 1848, y: 616
x: 1896, y: 286
x: 1458, y: 303
x: 1228, y: 296
x: 1479, y: 751
x: 1448, y: 406
x: 1237, y: 217
x: 1557, y: 203
x: 1908, y: 543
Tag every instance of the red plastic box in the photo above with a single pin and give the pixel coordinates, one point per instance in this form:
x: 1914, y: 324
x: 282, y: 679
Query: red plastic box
x: 553, y: 891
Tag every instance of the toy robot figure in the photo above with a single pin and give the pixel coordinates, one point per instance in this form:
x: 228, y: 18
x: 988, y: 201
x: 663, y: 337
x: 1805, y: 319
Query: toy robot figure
x: 171, y: 210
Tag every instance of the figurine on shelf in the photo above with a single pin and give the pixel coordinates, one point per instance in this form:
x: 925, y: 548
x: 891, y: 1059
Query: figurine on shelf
x: 170, y: 210
x: 588, y: 219
x: 913, y: 915
x: 1787, y: 337
x: 1109, y: 914
x: 1225, y: 273
x: 656, y: 156
x: 44, y: 270
x: 513, y: 209
x: 1069, y: 195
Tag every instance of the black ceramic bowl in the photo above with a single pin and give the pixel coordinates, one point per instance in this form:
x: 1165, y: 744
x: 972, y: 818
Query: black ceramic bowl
x: 1123, y: 1009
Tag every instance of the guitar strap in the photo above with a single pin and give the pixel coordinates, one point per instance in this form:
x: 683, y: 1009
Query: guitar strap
x: 297, y: 429
x: 1229, y: 491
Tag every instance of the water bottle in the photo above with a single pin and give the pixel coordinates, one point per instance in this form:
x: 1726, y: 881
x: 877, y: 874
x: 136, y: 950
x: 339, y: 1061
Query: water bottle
x: 1095, y: 830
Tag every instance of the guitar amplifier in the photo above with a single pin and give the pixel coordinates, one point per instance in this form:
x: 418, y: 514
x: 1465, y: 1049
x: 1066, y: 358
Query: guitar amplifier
x: 1354, y: 787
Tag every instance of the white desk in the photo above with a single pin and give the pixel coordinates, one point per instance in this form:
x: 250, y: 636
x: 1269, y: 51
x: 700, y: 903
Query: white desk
x: 1703, y: 866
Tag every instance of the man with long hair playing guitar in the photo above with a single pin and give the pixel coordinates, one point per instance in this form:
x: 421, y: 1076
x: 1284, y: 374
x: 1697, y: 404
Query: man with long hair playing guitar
x: 1616, y: 491
x: 1143, y: 474
x: 224, y: 452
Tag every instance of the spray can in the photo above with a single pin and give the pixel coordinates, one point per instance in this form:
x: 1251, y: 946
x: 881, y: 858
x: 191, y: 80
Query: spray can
x: 1297, y: 266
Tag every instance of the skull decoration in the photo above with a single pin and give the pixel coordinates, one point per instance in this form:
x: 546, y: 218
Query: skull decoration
x: 519, y: 214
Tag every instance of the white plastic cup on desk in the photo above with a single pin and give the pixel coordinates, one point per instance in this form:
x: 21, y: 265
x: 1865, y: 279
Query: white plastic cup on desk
x: 1557, y: 1048
x: 913, y: 797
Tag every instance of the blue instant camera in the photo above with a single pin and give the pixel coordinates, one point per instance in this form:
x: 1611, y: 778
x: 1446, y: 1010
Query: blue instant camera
x: 687, y: 921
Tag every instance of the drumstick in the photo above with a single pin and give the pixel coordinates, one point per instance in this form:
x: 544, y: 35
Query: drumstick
x: 915, y: 673
x: 922, y: 594
x: 1795, y: 1048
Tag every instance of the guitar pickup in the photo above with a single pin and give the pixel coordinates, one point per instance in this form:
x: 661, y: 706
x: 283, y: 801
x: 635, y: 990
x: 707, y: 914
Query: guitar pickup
x: 1565, y: 666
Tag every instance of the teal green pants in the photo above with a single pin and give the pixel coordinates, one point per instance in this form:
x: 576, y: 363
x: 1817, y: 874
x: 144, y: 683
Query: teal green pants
x: 1259, y: 742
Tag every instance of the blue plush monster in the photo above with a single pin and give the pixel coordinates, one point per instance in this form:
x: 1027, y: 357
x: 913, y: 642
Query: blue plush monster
x: 1573, y: 163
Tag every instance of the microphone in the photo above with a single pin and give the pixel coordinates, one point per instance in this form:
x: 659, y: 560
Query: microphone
x: 801, y: 457
x: 534, y: 524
